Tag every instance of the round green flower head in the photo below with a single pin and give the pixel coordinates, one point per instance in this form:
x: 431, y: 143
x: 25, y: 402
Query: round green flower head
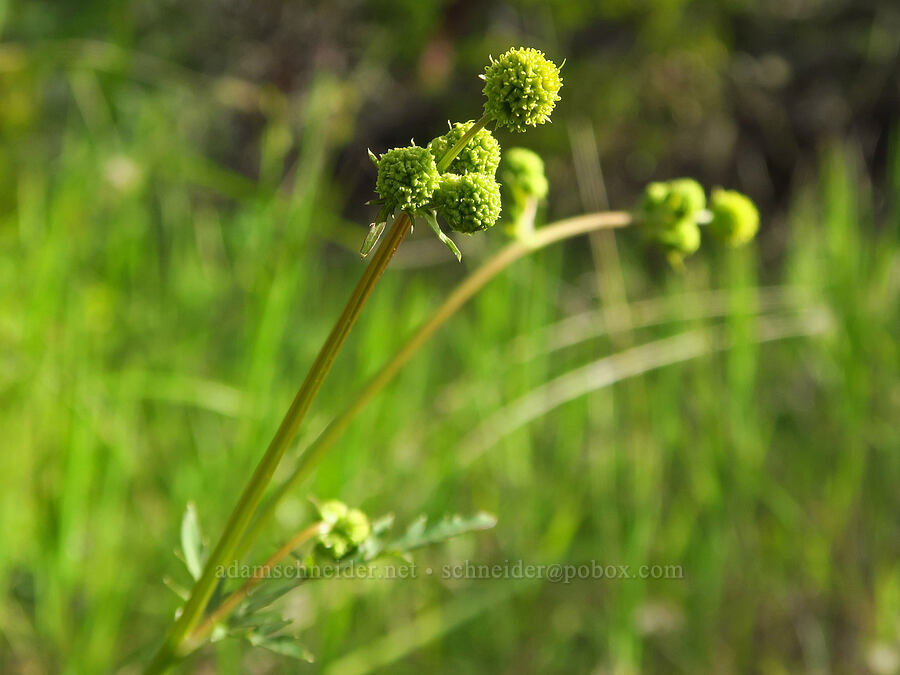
x: 480, y: 155
x: 735, y: 219
x: 682, y: 239
x: 665, y: 205
x: 469, y: 202
x: 522, y: 88
x: 522, y: 173
x: 407, y: 178
x: 348, y: 529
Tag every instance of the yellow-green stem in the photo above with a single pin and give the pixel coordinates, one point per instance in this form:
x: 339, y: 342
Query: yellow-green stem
x: 545, y: 236
x: 192, y: 611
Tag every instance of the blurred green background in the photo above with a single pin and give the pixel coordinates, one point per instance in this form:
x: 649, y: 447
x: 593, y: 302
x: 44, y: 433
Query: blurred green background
x: 182, y: 191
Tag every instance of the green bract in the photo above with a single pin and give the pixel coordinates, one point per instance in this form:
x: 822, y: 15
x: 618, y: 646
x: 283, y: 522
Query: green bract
x: 348, y: 528
x: 735, y: 218
x: 522, y: 88
x: 480, y: 155
x: 468, y: 202
x: 407, y: 178
x: 522, y: 173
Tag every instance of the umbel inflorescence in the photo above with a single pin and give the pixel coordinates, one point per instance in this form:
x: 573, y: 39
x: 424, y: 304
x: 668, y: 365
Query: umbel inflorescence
x: 672, y: 212
x: 407, y: 178
x: 525, y: 185
x: 480, y: 155
x: 522, y: 88
x: 454, y: 176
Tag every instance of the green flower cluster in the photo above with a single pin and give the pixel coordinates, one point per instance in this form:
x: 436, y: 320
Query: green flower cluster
x: 524, y: 186
x: 468, y: 196
x: 347, y: 529
x: 480, y: 155
x: 407, y: 178
x: 670, y: 214
x: 735, y: 218
x: 454, y: 176
x: 523, y: 173
x: 522, y: 88
x: 469, y: 202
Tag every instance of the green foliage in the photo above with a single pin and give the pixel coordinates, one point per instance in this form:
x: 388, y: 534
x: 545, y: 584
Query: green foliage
x: 522, y: 88
x: 431, y: 219
x: 192, y: 545
x: 480, y: 155
x: 469, y: 203
x: 350, y: 541
x: 421, y: 533
x: 285, y: 645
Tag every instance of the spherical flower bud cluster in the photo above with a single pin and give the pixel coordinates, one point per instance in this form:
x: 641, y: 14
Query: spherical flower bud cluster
x: 735, y: 218
x: 469, y: 202
x: 522, y: 173
x: 670, y: 212
x: 480, y: 155
x: 522, y: 88
x: 682, y: 239
x: 454, y: 176
x: 524, y: 186
x: 347, y: 529
x: 468, y: 196
x: 666, y: 204
x: 407, y: 178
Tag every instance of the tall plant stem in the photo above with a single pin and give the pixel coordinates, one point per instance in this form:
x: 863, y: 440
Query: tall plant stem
x: 563, y: 229
x: 192, y: 611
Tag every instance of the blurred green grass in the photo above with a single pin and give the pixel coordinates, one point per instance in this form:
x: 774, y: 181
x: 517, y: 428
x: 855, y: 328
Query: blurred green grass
x: 157, y: 312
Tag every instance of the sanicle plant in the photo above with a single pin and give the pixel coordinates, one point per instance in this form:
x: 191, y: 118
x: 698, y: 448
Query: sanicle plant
x: 454, y: 179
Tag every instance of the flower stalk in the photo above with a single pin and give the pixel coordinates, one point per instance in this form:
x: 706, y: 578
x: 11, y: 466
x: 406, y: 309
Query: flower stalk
x: 521, y: 89
x: 309, y: 459
x: 192, y: 611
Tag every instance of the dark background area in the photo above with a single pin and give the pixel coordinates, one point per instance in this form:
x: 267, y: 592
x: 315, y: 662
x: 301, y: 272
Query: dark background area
x: 743, y: 93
